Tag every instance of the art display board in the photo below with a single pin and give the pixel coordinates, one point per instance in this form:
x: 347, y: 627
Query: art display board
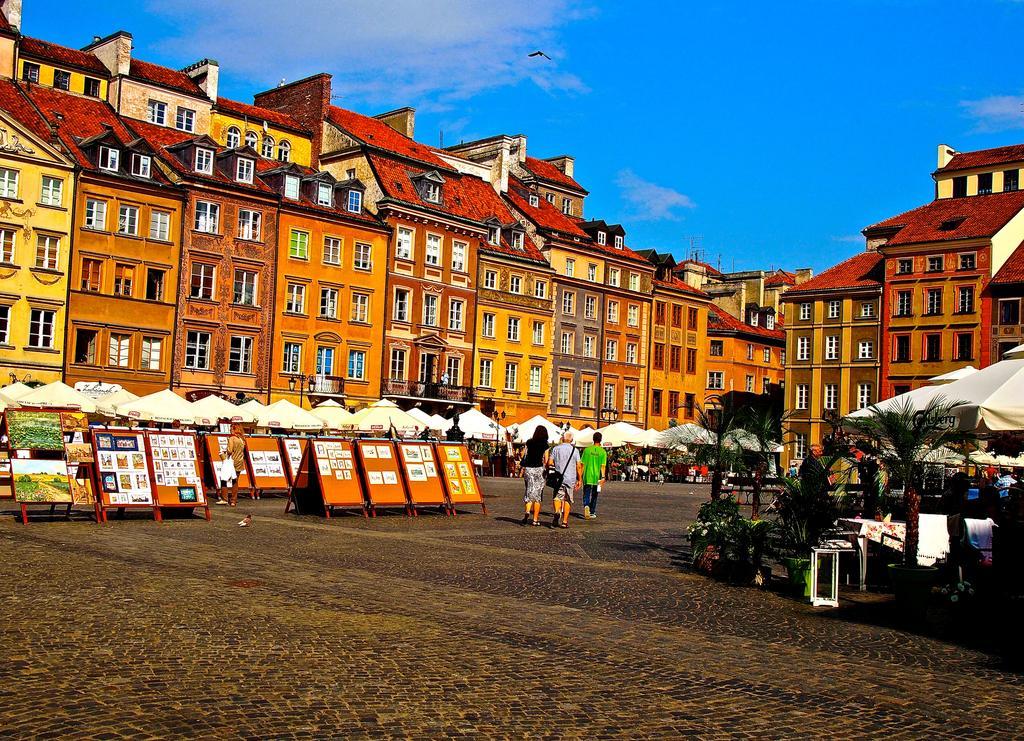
x: 456, y: 466
x: 266, y: 463
x: 216, y: 445
x: 6, y: 483
x: 34, y: 430
x: 328, y: 472
x: 177, y: 475
x: 385, y: 486
x: 422, y: 479
x: 123, y: 470
x: 292, y: 450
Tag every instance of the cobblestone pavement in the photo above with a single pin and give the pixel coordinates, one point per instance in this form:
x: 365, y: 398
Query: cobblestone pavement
x: 435, y: 627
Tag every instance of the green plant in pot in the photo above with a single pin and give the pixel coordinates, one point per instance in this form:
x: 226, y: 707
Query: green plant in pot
x: 727, y: 545
x: 905, y: 437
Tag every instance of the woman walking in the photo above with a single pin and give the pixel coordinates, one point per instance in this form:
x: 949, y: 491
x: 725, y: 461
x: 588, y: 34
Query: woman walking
x: 535, y: 461
x: 232, y: 464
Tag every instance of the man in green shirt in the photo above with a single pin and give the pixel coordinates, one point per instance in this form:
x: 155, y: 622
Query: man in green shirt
x: 595, y: 461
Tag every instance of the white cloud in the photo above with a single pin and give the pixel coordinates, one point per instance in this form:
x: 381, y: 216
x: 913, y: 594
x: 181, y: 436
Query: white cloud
x: 650, y: 201
x: 996, y: 112
x: 389, y: 52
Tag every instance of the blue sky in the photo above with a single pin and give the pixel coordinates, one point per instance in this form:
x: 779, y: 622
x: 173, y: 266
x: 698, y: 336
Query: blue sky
x: 774, y: 131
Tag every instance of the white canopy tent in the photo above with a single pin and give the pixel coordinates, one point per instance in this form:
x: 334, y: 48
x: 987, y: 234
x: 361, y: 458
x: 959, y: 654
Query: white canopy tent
x: 16, y: 390
x: 253, y: 407
x: 162, y: 406
x: 211, y: 409
x: 7, y: 403
x: 286, y: 416
x: 686, y: 435
x: 107, y: 404
x: 992, y: 399
x: 956, y: 375
x: 425, y: 420
x: 618, y: 434
x: 440, y: 423
x: 58, y: 394
x: 381, y: 416
x: 478, y: 426
x: 526, y: 430
x: 332, y: 414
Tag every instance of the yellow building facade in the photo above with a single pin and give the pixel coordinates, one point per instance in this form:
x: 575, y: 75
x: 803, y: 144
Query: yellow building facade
x: 273, y: 135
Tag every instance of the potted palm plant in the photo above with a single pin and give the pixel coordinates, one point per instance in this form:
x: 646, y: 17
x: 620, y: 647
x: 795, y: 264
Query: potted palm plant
x: 905, y: 438
x: 718, y: 416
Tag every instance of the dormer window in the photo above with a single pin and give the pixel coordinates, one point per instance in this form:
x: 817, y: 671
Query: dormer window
x: 234, y: 138
x: 323, y: 194
x: 268, y: 147
x: 185, y: 120
x: 753, y: 319
x: 141, y: 164
x: 204, y: 160
x: 284, y: 151
x: 618, y: 241
x: 493, y: 235
x: 517, y: 240
x: 534, y: 200
x: 769, y: 321
x: 110, y: 159
x: 355, y: 201
x: 602, y: 238
x: 432, y: 192
x: 244, y: 170
x: 251, y: 139
x: 156, y: 112
x: 291, y: 187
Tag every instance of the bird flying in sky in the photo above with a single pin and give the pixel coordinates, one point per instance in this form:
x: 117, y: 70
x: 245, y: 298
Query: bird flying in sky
x: 539, y: 53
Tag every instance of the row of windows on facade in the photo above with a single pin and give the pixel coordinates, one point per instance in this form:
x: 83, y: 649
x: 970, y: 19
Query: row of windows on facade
x: 865, y: 348
x: 41, y: 326
x: 198, y: 346
x: 1011, y: 182
x: 830, y: 399
x: 119, y: 350
x: 834, y: 310
x: 660, y: 310
x: 932, y: 299
x: 61, y: 79
x: 245, y: 292
x: 716, y: 382
x: 931, y: 347
x: 614, y: 275
x: 567, y: 209
x: 675, y: 358
x: 937, y: 263
x: 657, y: 403
x: 564, y: 395
x: 590, y: 309
x: 433, y: 249
x: 717, y: 349
x: 567, y: 346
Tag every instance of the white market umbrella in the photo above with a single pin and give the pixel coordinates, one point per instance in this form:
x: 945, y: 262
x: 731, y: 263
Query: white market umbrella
x: 1015, y: 354
x: 381, y: 416
x: 983, y: 458
x: 7, y: 402
x: 253, y: 407
x: 991, y: 400
x: 526, y: 430
x: 478, y: 426
x: 163, y: 406
x: 210, y: 410
x: 107, y: 403
x: 618, y: 434
x: 16, y: 390
x: 425, y: 420
x: 685, y: 435
x: 332, y: 414
x: 287, y: 416
x: 439, y: 423
x: 58, y: 394
x: 953, y: 375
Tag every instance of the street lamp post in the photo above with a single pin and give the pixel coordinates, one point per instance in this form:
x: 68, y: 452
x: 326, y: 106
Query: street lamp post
x: 609, y: 414
x: 498, y: 418
x: 304, y: 382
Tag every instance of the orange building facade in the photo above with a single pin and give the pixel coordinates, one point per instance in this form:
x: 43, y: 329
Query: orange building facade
x: 743, y: 357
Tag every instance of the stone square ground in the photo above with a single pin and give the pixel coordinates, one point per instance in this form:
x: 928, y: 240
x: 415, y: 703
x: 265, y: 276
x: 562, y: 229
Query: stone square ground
x: 438, y: 627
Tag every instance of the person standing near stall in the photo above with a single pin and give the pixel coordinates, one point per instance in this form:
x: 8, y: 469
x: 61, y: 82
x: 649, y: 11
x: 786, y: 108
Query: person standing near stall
x: 535, y: 461
x: 595, y: 463
x: 232, y: 464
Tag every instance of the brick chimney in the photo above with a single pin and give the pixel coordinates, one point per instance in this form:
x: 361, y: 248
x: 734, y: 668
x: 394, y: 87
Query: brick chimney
x: 206, y: 73
x: 803, y: 275
x: 402, y: 120
x: 12, y: 12
x: 115, y: 51
x: 305, y: 100
x: 565, y: 163
x: 946, y: 153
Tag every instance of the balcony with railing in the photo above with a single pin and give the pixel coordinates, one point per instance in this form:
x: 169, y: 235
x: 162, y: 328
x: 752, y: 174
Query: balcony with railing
x: 429, y: 390
x: 323, y: 385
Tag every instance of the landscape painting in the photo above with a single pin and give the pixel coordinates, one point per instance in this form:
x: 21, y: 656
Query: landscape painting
x: 34, y: 430
x: 41, y: 481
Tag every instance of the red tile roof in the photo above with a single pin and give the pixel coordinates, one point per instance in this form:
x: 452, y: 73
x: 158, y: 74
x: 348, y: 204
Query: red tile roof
x: 780, y: 278
x: 165, y: 77
x: 529, y: 251
x: 964, y: 218
x: 376, y: 133
x: 251, y: 112
x: 680, y: 285
x: 264, y: 165
x: 720, y: 321
x: 985, y: 158
x: 61, y: 55
x: 863, y: 270
x: 544, y: 215
x: 547, y: 171
x: 15, y: 103
x: 1012, y: 270
x: 710, y: 270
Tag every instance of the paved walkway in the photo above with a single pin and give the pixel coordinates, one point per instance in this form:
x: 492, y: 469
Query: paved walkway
x: 449, y: 627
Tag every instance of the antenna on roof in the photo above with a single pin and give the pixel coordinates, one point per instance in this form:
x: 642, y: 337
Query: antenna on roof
x: 441, y: 139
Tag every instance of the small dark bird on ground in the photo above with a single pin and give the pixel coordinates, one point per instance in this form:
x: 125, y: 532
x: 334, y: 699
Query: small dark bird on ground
x: 539, y: 53
x: 245, y: 521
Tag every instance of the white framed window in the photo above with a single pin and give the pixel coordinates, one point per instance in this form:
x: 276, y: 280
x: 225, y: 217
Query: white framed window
x: 767, y: 354
x: 564, y: 390
x: 459, y: 250
x: 207, y: 217
x: 865, y: 350
x: 298, y: 244
x: 493, y: 235
x: 291, y: 187
x: 128, y: 220
x: 614, y: 275
x: 202, y: 281
x: 566, y: 343
x: 515, y: 284
x: 362, y: 257
x: 538, y: 333
x: 40, y: 328
x: 831, y: 397
x: 233, y: 137
x: 324, y: 360
x: 142, y: 165
x: 566, y: 206
x: 549, y: 197
x: 328, y: 303
x: 487, y: 325
x: 267, y: 148
x: 432, y: 192
x: 360, y: 308
x: 8, y: 239
x: 244, y: 169
x: 486, y: 372
x: 611, y: 350
x: 631, y: 352
x: 47, y: 252
x: 799, y: 446
x: 119, y: 349
x: 456, y: 314
x: 613, y: 312
x: 159, y: 225
x: 629, y: 398
x: 633, y: 315
x: 749, y: 384
x: 152, y: 349
x: 453, y: 367
x: 204, y: 160
x: 602, y: 237
x: 240, y: 354
x: 295, y: 299
x: 513, y: 329
x: 324, y: 194
x: 634, y: 281
x: 430, y: 310
x: 834, y: 307
x: 769, y: 321
x: 618, y: 242
x: 805, y: 312
x: 568, y: 303
x: 156, y: 112
x: 592, y: 273
x: 570, y: 267
x: 398, y: 364
x: 110, y: 159
x: 609, y: 396
x: 534, y: 200
x: 863, y: 395
x: 589, y: 344
x: 540, y: 289
x: 536, y: 375
x: 517, y: 240
x: 803, y: 395
x: 95, y: 214
x: 432, y: 255
x: 832, y: 347
x: 867, y: 309
x: 355, y: 201
x: 590, y: 307
x: 185, y: 119
x: 244, y: 290
x: 490, y: 279
x: 8, y: 183
x: 511, y: 377
x: 252, y: 140
x: 52, y: 191
x: 402, y: 305
x: 404, y: 243
x: 803, y: 348
x: 292, y: 358
x: 250, y: 224
x: 197, y: 350
x: 332, y: 251
x: 284, y: 151
x: 587, y: 394
x: 716, y: 380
